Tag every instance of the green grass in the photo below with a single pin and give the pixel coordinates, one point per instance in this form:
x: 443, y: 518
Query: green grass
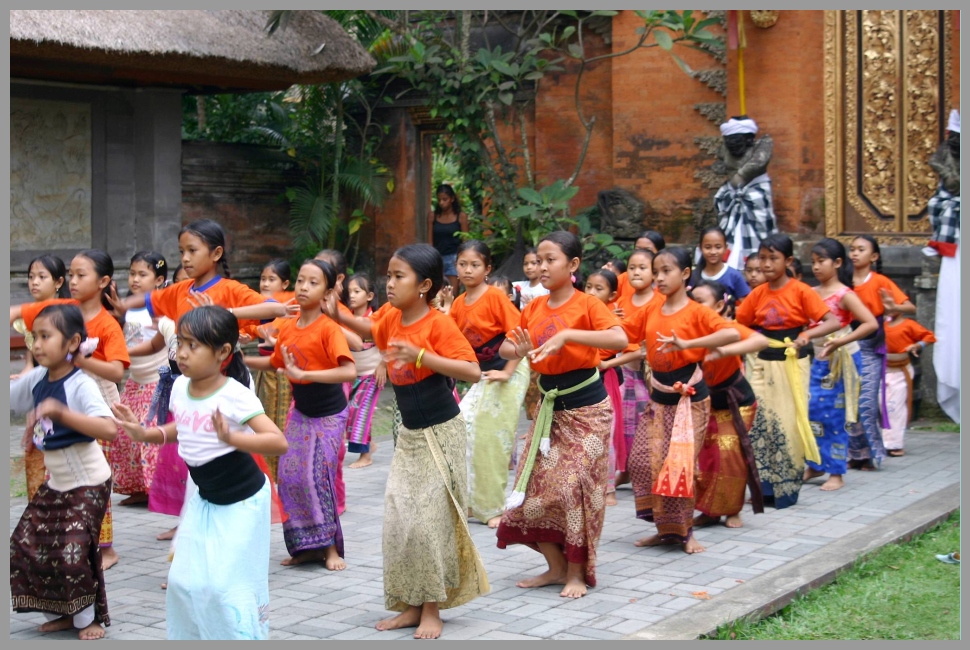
x: 940, y: 426
x: 900, y: 592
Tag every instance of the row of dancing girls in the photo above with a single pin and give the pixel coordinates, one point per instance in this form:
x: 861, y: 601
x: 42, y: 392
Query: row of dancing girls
x: 90, y: 283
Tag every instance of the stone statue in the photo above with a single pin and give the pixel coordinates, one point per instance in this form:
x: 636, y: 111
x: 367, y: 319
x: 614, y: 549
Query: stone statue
x: 621, y: 213
x: 744, y: 206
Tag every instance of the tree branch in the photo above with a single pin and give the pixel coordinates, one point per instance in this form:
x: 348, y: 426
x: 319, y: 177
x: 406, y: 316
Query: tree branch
x: 525, y: 149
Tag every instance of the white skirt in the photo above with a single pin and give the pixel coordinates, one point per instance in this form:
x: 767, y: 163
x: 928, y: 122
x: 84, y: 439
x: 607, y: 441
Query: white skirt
x: 946, y: 351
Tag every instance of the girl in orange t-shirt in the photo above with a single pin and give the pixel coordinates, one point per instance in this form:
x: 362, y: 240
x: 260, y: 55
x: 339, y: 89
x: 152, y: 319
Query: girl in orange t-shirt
x: 90, y: 280
x: 368, y: 386
x: 632, y: 362
x: 782, y: 309
x: 904, y: 338
x: 726, y: 461
x: 312, y: 350
x: 883, y: 298
x: 491, y: 407
x: 425, y: 528
x: 670, y: 433
x: 557, y: 505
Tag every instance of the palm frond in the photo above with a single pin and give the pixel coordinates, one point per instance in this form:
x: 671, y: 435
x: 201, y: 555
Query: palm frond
x: 270, y: 135
x: 312, y: 215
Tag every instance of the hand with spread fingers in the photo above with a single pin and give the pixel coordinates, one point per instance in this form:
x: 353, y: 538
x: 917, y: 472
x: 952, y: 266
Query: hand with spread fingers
x: 522, y: 341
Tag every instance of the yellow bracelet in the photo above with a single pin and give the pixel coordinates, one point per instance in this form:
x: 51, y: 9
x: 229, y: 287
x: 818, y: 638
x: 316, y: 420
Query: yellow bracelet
x: 417, y: 362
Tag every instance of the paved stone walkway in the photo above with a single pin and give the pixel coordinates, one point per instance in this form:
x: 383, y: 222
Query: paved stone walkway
x: 637, y: 587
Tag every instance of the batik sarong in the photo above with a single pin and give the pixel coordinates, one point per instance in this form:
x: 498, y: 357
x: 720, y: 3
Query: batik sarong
x: 636, y: 396
x: 564, y: 498
x: 827, y: 415
x: 611, y: 382
x: 307, y: 477
x: 491, y: 413
x: 276, y: 395
x: 133, y: 463
x: 429, y: 555
x: 363, y: 401
x: 109, y: 391
x: 722, y: 469
x: 865, y: 441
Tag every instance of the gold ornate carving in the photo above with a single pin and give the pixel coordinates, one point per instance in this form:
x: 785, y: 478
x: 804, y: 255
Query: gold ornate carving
x: 764, y: 18
x: 833, y: 120
x: 879, y: 126
x: 921, y: 80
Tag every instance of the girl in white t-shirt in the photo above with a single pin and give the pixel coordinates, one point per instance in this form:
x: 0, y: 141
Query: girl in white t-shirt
x: 217, y: 590
x: 530, y: 287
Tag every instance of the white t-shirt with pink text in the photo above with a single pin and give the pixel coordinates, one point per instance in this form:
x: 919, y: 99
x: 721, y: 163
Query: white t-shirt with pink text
x: 197, y: 439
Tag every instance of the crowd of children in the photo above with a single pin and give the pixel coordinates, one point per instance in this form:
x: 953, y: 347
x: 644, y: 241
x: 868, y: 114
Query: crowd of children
x: 696, y: 385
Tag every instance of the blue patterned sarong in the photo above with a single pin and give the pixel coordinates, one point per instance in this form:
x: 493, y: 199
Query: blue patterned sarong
x: 865, y: 441
x: 826, y: 412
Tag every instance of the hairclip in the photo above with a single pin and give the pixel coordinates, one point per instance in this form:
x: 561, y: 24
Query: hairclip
x: 88, y: 346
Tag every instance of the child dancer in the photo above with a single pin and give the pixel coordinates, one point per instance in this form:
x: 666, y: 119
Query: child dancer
x: 133, y: 463
x: 55, y: 559
x: 649, y: 240
x: 557, y: 505
x: 636, y: 396
x: 752, y: 272
x: 904, y: 337
x: 218, y: 585
x: 46, y: 280
x: 314, y: 354
x: 834, y: 405
x: 782, y: 309
x: 91, y: 272
x: 367, y: 389
x: 616, y: 265
x: 712, y: 251
x: 726, y: 460
x: 531, y: 287
x: 671, y: 432
x: 503, y: 283
x: 430, y: 561
x: 881, y: 296
x: 491, y: 407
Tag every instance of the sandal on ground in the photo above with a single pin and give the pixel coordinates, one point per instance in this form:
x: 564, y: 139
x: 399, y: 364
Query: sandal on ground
x: 949, y: 558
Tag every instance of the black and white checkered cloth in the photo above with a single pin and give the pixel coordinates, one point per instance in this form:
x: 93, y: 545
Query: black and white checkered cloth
x: 944, y: 213
x: 748, y: 208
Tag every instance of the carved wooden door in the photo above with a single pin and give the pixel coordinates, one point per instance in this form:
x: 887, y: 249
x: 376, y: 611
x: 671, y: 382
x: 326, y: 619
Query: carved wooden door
x: 887, y: 80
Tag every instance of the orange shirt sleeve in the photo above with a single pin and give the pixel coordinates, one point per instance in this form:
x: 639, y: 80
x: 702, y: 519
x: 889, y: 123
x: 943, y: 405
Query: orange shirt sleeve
x: 335, y: 345
x: 815, y: 308
x: 920, y: 333
x: 601, y: 318
x: 898, y: 296
x: 746, y: 310
x: 446, y: 340
x: 111, y: 339
x: 165, y: 301
x: 506, y: 312
x: 281, y: 339
x: 29, y: 310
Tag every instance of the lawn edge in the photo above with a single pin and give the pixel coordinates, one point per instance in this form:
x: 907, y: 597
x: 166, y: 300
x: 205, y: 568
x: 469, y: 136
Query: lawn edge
x: 768, y: 593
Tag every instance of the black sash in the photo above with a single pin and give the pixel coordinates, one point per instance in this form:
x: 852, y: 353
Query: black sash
x: 592, y: 394
x: 778, y: 354
x: 426, y: 403
x: 670, y: 378
x: 488, y: 356
x: 228, y: 479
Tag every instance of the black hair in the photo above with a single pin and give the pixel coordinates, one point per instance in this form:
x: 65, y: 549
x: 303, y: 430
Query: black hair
x: 646, y: 252
x: 875, y: 249
x: 175, y: 272
x: 680, y: 256
x: 155, y: 262
x: 508, y: 287
x: 700, y: 242
x: 444, y: 188
x: 618, y: 264
x: 720, y: 292
x: 530, y: 250
x: 571, y: 247
x: 365, y: 284
x: 103, y: 266
x: 66, y: 319
x: 55, y: 266
x: 476, y: 246
x: 832, y: 249
x: 607, y: 275
x: 655, y: 237
x: 212, y: 234
x: 797, y: 268
x: 339, y: 262
x: 329, y: 272
x: 281, y: 268
x: 426, y: 262
x: 214, y: 327
x: 779, y: 243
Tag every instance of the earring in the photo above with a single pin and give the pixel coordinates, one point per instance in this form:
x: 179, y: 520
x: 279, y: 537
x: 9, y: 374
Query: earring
x: 572, y: 276
x: 70, y: 357
x: 421, y: 295
x: 486, y: 279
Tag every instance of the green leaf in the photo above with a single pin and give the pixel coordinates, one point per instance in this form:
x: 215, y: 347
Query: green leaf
x: 569, y: 31
x: 354, y: 226
x: 534, y: 76
x: 610, y: 13
x: 663, y: 40
x: 575, y: 50
x: 506, y: 98
x: 390, y: 186
x: 503, y: 67
x: 707, y: 22
x: 571, y: 14
x: 521, y: 211
x: 683, y: 65
x: 530, y: 195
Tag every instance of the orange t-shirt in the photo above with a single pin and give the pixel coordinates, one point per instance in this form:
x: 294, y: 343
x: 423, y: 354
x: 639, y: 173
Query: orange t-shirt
x: 111, y: 338
x: 635, y: 318
x: 868, y: 293
x: 434, y: 331
x: 581, y: 311
x: 690, y: 322
x: 794, y: 305
x: 173, y: 300
x: 902, y: 334
x: 381, y: 312
x: 717, y: 372
x: 492, y: 314
x: 623, y: 286
x: 321, y: 345
x: 251, y: 327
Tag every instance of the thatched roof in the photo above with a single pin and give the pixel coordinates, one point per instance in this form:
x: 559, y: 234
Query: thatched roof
x: 198, y: 50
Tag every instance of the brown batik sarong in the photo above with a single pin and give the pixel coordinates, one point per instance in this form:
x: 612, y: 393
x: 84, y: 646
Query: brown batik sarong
x: 722, y: 472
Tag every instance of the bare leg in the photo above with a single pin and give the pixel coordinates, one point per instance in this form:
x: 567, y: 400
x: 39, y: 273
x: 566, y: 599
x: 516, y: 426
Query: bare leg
x: 734, y: 521
x: 430, y: 624
x: 134, y: 499
x: 705, y: 520
x: 408, y: 618
x: 575, y: 581
x: 557, y: 572
x: 168, y: 534
x: 91, y: 632
x: 315, y: 555
x: 57, y: 625
x: 811, y: 473
x: 364, y: 460
x: 692, y: 546
x: 835, y: 482
x: 334, y: 561
x: 610, y: 499
x: 622, y: 478
x: 654, y: 540
x: 109, y: 557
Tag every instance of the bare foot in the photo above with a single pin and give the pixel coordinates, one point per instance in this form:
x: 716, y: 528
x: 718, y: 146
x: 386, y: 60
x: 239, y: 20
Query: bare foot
x: 811, y: 473
x: 408, y: 618
x: 622, y: 479
x: 610, y: 499
x: 91, y: 632
x: 109, y: 558
x: 575, y: 588
x: 164, y: 585
x: 835, y: 482
x: 705, y: 520
x: 316, y: 555
x: 363, y: 461
x: 134, y: 499
x: 550, y: 577
x: 653, y: 540
x: 334, y: 561
x: 430, y: 624
x: 168, y: 534
x: 692, y: 546
x: 734, y: 521
x: 57, y: 625
x: 494, y: 522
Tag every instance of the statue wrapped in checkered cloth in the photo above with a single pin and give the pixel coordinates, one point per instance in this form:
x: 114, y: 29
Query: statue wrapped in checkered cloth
x: 744, y: 206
